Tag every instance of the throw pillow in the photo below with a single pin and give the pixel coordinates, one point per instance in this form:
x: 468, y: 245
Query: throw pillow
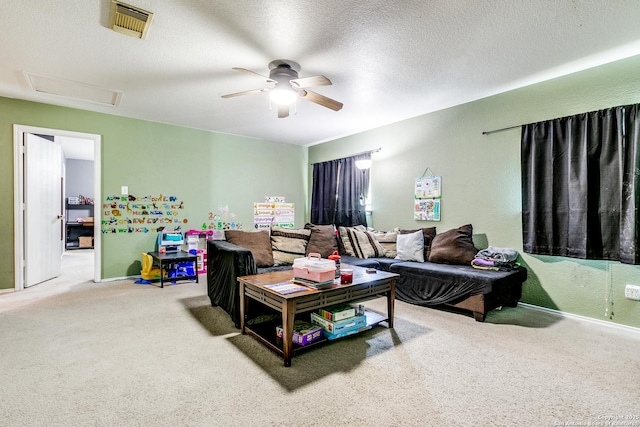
x: 341, y: 247
x: 288, y: 244
x: 454, y: 246
x: 411, y: 247
x: 322, y: 240
x: 360, y: 243
x: 258, y: 242
x: 388, y: 241
x: 428, y: 234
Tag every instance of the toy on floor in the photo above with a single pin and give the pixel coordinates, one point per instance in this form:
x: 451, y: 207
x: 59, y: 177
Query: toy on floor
x: 149, y: 271
x: 196, y: 247
x: 169, y: 241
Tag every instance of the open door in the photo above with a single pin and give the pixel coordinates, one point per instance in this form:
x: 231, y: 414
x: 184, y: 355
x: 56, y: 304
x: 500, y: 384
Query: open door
x: 43, y: 214
x: 22, y: 256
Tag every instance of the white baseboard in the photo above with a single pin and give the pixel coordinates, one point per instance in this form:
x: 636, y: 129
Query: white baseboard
x: 581, y: 318
x: 115, y: 279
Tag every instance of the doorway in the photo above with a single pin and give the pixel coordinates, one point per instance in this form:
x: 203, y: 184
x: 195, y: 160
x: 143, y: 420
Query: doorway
x: 84, y: 143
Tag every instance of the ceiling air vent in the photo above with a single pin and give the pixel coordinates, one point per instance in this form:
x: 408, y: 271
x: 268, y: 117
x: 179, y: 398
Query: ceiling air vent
x: 129, y: 20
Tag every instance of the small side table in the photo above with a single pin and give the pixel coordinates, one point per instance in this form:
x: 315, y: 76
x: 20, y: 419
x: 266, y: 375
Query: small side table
x: 172, y: 258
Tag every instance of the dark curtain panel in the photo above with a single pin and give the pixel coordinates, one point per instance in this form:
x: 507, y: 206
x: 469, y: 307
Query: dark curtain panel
x: 338, y: 192
x: 323, y: 192
x: 579, y: 185
x: 353, y: 185
x: 629, y: 226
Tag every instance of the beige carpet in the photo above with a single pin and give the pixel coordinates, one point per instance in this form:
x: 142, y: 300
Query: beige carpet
x: 77, y: 353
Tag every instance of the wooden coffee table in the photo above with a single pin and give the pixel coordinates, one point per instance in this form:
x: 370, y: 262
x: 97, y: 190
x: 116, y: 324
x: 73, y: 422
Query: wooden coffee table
x: 365, y: 286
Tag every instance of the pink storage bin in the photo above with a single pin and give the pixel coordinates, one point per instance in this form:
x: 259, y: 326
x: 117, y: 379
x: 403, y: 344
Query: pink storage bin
x: 314, y: 268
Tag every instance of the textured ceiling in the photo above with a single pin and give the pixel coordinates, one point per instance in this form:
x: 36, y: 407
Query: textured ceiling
x: 388, y: 60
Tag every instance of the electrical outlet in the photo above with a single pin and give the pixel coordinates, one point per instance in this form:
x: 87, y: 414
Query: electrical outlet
x: 632, y: 292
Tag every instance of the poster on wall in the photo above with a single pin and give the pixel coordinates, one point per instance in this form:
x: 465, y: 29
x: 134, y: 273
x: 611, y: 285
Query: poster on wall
x: 426, y: 210
x: 428, y: 187
x: 125, y: 214
x: 273, y: 211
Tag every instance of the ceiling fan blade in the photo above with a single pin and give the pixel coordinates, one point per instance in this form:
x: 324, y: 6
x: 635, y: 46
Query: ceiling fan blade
x: 283, y: 111
x: 245, y: 92
x: 321, y: 100
x: 310, y: 82
x: 253, y: 73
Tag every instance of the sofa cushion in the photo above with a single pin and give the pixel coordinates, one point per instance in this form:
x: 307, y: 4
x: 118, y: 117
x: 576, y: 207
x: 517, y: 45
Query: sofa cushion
x: 386, y: 263
x: 454, y: 246
x: 428, y: 234
x: 360, y: 262
x: 429, y: 284
x: 410, y: 247
x: 258, y: 242
x: 274, y: 268
x: 322, y: 239
x: 388, y: 241
x: 360, y: 242
x: 288, y: 244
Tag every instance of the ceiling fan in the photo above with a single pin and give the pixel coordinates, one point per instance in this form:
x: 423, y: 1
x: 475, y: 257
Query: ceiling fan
x: 286, y: 87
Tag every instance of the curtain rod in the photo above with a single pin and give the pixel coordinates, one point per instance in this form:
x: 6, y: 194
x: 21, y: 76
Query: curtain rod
x: 351, y: 155
x: 489, y: 132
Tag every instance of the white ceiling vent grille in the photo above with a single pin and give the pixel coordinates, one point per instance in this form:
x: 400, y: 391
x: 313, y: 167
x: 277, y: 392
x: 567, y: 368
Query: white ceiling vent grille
x: 129, y: 20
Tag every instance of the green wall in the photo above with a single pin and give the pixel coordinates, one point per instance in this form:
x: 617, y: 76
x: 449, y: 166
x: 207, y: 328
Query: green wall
x: 203, y: 169
x: 481, y: 180
x: 480, y: 177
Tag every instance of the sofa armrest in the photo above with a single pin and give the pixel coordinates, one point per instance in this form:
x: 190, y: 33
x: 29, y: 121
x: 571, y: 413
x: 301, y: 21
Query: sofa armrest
x: 221, y: 249
x: 225, y: 263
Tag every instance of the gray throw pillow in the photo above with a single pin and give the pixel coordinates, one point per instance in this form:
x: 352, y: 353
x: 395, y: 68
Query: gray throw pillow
x: 410, y: 247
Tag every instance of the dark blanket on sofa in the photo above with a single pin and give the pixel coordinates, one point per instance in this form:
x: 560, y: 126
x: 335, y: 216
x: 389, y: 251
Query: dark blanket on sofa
x: 225, y: 263
x: 430, y: 284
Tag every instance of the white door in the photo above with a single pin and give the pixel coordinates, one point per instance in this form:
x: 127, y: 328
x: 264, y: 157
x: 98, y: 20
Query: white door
x: 43, y: 209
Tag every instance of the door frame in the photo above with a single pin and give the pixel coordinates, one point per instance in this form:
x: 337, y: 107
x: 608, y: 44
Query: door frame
x: 18, y: 195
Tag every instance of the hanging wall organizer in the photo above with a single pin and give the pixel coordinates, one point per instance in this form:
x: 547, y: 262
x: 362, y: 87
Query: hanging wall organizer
x: 427, y: 194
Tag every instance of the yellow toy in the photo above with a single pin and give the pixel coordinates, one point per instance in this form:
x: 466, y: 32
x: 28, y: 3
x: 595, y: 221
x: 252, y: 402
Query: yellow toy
x: 149, y: 271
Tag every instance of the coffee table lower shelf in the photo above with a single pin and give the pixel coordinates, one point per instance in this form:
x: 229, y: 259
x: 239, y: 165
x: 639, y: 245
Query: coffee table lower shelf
x: 364, y: 286
x: 265, y: 332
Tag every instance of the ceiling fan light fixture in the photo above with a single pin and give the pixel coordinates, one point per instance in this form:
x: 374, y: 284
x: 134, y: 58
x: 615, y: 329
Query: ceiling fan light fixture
x: 283, y: 96
x: 287, y: 87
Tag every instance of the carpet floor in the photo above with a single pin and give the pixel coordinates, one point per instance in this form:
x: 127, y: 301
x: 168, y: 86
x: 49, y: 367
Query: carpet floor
x: 78, y: 353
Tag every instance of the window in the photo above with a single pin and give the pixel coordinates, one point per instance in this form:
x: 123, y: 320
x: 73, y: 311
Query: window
x: 338, y: 193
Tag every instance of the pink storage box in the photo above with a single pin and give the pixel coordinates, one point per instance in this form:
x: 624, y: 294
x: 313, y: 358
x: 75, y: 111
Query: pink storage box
x: 314, y: 268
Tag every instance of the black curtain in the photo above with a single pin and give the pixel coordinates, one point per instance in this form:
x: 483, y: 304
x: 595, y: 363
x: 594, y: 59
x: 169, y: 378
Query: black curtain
x: 324, y: 192
x: 339, y: 190
x: 580, y: 186
x: 629, y: 226
x: 353, y: 184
